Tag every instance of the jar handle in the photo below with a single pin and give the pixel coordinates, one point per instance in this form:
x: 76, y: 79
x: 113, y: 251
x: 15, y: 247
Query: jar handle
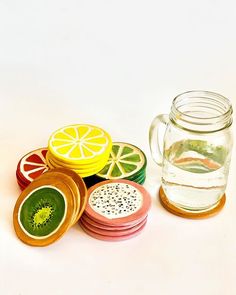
x: 157, y: 155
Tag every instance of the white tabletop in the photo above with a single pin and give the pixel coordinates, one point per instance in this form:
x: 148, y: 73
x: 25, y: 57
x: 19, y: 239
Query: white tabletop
x: 115, y: 64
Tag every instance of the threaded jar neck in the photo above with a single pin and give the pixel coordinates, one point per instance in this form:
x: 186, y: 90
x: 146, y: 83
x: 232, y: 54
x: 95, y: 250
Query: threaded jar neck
x: 201, y: 111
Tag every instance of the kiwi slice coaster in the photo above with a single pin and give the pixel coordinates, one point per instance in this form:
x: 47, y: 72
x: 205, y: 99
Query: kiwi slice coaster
x: 49, y: 206
x: 42, y: 212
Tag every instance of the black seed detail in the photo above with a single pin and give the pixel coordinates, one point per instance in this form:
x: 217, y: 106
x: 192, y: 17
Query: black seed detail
x: 116, y: 200
x: 41, y: 204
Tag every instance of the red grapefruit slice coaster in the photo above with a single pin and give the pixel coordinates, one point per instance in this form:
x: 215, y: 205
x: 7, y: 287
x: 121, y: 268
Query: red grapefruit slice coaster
x: 21, y: 182
x: 32, y: 165
x: 21, y: 185
x: 20, y: 177
x: 110, y: 238
x: 117, y: 202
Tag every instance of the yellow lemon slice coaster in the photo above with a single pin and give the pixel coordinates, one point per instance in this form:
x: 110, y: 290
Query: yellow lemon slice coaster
x: 54, y: 161
x: 81, y: 172
x: 79, y: 144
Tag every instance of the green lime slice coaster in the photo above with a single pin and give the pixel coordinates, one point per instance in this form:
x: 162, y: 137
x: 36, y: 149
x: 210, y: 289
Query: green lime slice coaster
x: 140, y: 179
x: 139, y: 174
x: 125, y: 160
x: 42, y: 212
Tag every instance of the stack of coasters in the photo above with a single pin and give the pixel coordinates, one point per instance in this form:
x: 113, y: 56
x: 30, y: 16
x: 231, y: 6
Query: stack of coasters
x: 126, y: 161
x: 116, y: 210
x: 49, y: 206
x: 31, y: 166
x: 82, y: 148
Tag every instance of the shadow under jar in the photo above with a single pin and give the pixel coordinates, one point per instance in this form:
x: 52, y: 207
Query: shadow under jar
x: 196, y: 151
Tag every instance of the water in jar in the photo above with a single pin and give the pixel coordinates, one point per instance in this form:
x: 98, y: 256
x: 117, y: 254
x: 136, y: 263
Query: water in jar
x: 194, y: 174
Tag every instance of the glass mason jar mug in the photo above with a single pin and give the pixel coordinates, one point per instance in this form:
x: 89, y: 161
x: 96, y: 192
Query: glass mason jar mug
x: 196, y: 150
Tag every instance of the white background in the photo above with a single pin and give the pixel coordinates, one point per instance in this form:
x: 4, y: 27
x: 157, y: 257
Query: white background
x: 115, y: 64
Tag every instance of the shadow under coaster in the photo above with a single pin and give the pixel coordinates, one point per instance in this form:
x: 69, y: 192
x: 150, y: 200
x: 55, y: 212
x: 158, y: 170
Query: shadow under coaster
x: 190, y: 214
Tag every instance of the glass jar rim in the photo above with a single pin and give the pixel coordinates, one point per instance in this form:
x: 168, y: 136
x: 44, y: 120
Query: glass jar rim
x: 185, y: 105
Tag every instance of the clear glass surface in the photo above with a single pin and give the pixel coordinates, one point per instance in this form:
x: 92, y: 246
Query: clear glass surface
x: 197, y: 150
